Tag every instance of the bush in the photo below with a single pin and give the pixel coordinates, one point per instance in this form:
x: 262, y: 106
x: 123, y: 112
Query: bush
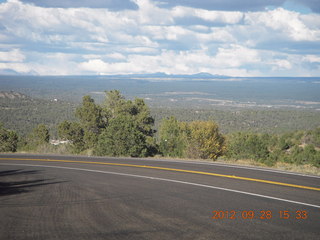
x: 8, y: 140
x: 172, y: 138
x: 199, y: 139
x: 204, y: 140
x: 247, y: 146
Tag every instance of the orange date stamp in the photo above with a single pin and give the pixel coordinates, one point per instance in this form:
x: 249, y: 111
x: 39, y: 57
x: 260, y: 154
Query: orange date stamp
x: 260, y: 214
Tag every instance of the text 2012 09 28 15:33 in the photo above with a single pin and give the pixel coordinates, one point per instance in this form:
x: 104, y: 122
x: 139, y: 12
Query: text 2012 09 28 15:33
x: 261, y: 214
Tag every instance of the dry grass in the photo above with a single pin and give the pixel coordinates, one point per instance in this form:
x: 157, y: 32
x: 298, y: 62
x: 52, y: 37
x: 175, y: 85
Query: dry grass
x: 305, y: 169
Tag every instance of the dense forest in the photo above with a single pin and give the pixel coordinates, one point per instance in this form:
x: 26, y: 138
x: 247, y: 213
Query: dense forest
x: 29, y: 112
x: 254, y: 120
x: 121, y: 127
x: 22, y: 113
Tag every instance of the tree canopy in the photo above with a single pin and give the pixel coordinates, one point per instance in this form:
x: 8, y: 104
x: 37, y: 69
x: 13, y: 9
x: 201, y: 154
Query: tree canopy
x: 129, y: 128
x: 118, y: 127
x: 8, y: 140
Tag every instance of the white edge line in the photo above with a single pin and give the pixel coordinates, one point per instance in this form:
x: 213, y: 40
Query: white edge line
x: 170, y: 180
x: 234, y: 166
x: 197, y: 163
x: 255, y: 168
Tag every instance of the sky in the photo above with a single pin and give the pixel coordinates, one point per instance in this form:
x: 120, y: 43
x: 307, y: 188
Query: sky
x: 104, y: 37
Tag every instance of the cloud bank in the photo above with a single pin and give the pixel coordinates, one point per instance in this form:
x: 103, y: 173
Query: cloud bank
x: 258, y: 38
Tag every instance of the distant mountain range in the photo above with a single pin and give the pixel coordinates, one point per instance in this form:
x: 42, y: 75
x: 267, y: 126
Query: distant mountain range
x: 148, y: 76
x: 164, y: 75
x: 202, y: 75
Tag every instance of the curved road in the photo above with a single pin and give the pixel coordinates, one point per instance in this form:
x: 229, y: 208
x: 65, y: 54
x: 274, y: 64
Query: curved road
x: 74, y: 197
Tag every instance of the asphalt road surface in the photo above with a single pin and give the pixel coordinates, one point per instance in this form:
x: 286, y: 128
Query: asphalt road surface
x: 71, y: 197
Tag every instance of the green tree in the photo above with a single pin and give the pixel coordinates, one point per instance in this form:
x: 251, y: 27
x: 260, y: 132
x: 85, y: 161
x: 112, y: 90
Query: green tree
x: 8, y: 140
x: 142, y: 116
x: 129, y: 127
x: 90, y: 115
x: 73, y: 132
x: 172, y: 140
x: 91, y: 121
x: 122, y: 138
x: 114, y: 104
x: 40, y: 135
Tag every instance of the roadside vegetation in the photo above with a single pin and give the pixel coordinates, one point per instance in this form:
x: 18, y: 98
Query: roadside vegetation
x: 121, y: 127
x: 29, y: 112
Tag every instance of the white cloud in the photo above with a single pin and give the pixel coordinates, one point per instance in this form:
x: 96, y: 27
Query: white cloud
x: 167, y: 32
x: 225, y: 61
x: 61, y: 25
x: 211, y: 16
x: 45, y: 64
x: 236, y: 56
x: 281, y: 64
x: 283, y: 23
x: 14, y: 55
x: 117, y: 56
x: 149, y: 13
x: 154, y: 39
x: 94, y: 65
x: 217, y: 35
x: 17, y: 67
x: 141, y: 50
x: 311, y: 59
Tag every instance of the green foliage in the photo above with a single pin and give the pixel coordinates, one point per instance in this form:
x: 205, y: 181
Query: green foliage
x: 128, y: 130
x: 23, y: 115
x: 114, y: 104
x: 142, y: 116
x: 316, y: 137
x: 312, y: 137
x: 73, y: 132
x: 119, y: 127
x: 284, y: 143
x: 84, y: 134
x: 8, y: 140
x: 303, y: 148
x: 247, y: 146
x: 173, y: 140
x: 29, y: 112
x: 230, y: 120
x: 90, y: 115
x: 269, y: 149
x: 122, y: 138
x: 301, y: 155
x: 40, y: 135
x: 91, y: 122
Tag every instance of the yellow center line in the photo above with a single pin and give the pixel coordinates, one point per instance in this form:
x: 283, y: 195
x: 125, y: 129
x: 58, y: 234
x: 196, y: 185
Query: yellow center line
x: 169, y: 169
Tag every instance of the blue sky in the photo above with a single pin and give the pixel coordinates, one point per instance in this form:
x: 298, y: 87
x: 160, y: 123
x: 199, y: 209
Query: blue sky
x: 225, y: 37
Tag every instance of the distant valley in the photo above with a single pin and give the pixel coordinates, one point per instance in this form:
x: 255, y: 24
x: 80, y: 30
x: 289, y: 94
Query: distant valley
x: 195, y: 91
x: 237, y: 104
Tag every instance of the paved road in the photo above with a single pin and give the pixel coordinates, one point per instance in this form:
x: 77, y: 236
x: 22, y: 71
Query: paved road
x: 65, y: 197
